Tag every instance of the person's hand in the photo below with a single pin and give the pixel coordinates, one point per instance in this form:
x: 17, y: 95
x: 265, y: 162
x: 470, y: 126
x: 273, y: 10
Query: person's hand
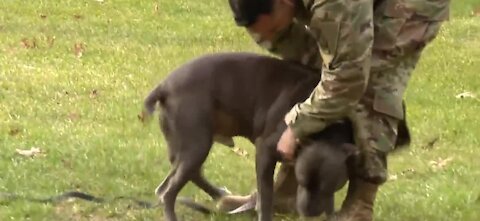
x: 287, y: 144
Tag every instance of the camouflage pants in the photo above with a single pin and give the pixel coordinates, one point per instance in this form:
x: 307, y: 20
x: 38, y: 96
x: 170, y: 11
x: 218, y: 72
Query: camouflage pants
x: 399, y: 40
x: 400, y: 36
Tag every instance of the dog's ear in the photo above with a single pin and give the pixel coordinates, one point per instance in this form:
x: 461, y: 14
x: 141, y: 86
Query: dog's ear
x: 349, y: 149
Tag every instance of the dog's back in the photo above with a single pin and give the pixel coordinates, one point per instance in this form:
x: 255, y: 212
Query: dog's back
x: 239, y: 88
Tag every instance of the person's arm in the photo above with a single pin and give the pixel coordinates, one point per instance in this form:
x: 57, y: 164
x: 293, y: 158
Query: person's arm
x: 338, y: 44
x: 344, y: 32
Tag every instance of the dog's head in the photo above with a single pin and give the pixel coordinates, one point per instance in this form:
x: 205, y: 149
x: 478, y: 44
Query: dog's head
x: 321, y: 170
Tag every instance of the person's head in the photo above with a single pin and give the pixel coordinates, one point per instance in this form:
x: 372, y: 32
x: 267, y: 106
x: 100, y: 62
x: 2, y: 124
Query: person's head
x: 263, y: 17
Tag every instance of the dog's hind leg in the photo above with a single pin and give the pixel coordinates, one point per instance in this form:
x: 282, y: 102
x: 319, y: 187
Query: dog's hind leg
x: 189, y: 164
x: 190, y: 141
x: 166, y: 130
x: 213, y: 191
x: 163, y: 185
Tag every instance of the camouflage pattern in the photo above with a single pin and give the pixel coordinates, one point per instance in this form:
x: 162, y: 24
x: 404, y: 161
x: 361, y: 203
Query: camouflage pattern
x: 366, y: 51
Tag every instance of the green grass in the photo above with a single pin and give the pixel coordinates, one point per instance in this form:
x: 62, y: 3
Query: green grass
x: 94, y: 142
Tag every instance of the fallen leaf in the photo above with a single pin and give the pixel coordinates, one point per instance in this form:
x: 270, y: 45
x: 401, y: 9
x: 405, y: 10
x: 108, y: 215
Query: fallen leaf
x: 50, y: 41
x: 43, y: 16
x: 440, y: 163
x: 79, y: 48
x: 34, y: 151
x: 29, y: 44
x: 142, y: 117
x: 466, y: 94
x: 14, y: 131
x: 93, y: 93
x: 73, y: 116
x: 155, y: 8
x: 406, y: 172
x: 240, y: 152
x: 393, y: 177
x: 431, y: 143
x: 77, y: 16
x: 67, y: 163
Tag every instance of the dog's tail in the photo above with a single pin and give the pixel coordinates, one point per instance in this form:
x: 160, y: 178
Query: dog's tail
x: 157, y: 95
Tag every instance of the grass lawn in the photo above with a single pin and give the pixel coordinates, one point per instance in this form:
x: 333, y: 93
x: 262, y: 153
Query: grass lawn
x: 73, y: 75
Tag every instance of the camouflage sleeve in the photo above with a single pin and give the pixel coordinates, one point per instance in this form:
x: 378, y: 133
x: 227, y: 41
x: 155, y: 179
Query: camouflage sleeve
x: 294, y: 43
x: 344, y: 33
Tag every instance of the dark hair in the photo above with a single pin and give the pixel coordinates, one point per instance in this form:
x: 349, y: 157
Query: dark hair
x: 245, y: 12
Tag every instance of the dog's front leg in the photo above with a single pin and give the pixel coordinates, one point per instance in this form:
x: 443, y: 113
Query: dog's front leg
x: 265, y: 168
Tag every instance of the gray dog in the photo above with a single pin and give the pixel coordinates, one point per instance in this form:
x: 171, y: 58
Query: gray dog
x: 216, y: 97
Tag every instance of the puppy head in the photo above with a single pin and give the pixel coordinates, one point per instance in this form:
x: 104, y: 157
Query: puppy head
x: 320, y: 170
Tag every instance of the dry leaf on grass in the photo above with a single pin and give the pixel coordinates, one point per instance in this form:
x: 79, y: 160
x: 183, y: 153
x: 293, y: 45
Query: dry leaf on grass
x: 50, y: 41
x: 29, y: 44
x: 77, y: 16
x: 240, y: 152
x: 73, y: 116
x: 440, y: 163
x: 466, y: 94
x: 33, y: 152
x: 78, y: 49
x: 93, y: 93
x: 13, y: 131
x: 430, y: 144
x: 143, y: 117
x: 406, y: 172
x: 393, y: 177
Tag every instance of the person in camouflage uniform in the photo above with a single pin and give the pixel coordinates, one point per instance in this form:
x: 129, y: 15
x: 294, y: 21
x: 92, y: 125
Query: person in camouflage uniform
x: 365, y: 51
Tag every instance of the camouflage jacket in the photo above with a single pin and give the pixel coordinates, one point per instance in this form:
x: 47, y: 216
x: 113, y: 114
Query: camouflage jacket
x: 337, y: 37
